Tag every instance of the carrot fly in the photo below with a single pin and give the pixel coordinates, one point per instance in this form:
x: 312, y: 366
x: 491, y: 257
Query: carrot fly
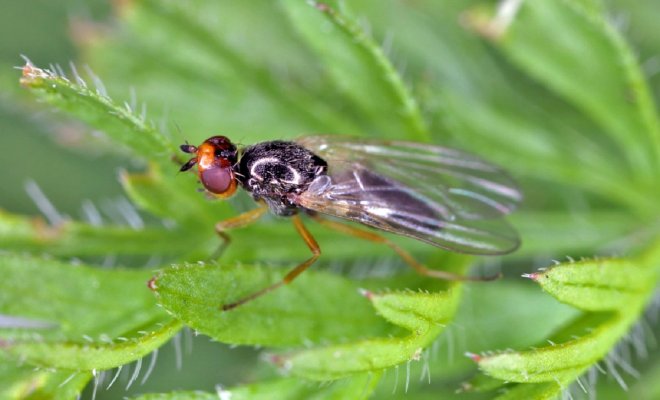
x: 444, y: 197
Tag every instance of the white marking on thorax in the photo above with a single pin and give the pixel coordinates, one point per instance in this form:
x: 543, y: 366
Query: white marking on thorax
x: 296, y: 176
x: 265, y: 160
x: 274, y: 160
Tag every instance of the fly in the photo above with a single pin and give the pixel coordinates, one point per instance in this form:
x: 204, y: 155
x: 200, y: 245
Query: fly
x: 443, y: 197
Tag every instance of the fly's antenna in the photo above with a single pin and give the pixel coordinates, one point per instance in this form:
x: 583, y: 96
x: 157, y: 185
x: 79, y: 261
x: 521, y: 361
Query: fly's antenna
x: 188, y: 148
x: 189, y: 164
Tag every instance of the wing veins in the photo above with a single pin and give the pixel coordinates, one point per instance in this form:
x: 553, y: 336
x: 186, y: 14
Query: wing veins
x: 459, y: 194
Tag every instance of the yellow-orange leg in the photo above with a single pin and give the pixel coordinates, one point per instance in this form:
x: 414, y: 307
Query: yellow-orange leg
x: 288, y: 278
x: 238, y: 221
x: 374, y: 237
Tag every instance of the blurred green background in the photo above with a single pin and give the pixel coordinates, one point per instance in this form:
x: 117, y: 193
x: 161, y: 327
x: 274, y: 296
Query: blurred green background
x: 33, y: 136
x: 37, y: 144
x: 41, y: 146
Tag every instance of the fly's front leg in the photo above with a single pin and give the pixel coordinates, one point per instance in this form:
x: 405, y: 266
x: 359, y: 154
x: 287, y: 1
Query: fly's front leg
x: 288, y: 278
x: 238, y: 221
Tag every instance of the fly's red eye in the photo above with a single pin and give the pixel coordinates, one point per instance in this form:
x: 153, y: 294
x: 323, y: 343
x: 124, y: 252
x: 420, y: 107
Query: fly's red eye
x: 218, y: 180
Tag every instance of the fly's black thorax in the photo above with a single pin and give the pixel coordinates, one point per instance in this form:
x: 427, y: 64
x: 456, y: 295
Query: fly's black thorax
x: 274, y: 171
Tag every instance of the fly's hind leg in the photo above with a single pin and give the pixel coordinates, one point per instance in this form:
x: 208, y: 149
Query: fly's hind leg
x: 409, y: 259
x: 288, y: 278
x: 238, y: 221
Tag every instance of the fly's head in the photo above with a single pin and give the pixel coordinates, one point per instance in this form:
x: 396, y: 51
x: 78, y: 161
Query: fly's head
x: 215, y: 158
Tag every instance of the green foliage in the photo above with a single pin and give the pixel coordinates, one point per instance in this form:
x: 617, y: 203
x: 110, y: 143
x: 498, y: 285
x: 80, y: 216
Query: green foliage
x: 612, y: 293
x: 359, y: 68
x: 291, y: 316
x: 423, y: 314
x: 554, y: 93
x: 356, y: 387
x: 67, y: 301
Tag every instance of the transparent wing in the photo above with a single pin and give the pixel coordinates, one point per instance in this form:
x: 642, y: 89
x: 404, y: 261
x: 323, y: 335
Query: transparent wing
x: 441, y: 196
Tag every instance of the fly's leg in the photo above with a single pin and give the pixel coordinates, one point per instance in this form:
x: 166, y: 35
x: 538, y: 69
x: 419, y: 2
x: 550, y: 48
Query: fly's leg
x: 416, y: 265
x: 238, y: 221
x: 288, y: 278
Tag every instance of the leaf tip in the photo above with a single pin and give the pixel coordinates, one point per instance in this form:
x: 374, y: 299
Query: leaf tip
x: 320, y: 6
x: 151, y: 283
x: 366, y: 293
x: 278, y: 360
x: 31, y: 74
x: 491, y: 27
x: 473, y: 356
x: 535, y: 276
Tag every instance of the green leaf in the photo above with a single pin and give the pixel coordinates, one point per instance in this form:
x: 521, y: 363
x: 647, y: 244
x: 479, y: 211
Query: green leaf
x: 100, y: 353
x: 95, y: 108
x: 539, y: 391
x: 22, y: 383
x: 90, y: 318
x: 315, y: 307
x: 599, y: 285
x: 562, y: 361
x: 246, y: 87
x: 582, y: 53
x: 76, y: 239
x: 424, y: 314
x: 61, y: 384
x: 612, y: 291
x: 416, y: 311
x: 16, y: 383
x: 355, y: 387
x: 359, y: 68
